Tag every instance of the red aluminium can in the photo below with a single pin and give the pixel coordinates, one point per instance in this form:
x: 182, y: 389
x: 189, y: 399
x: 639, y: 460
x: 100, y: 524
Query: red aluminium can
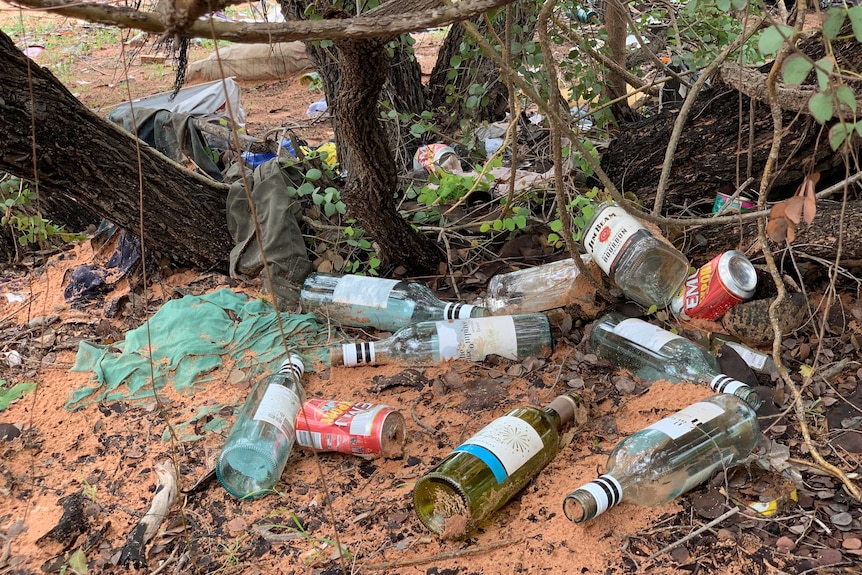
x: 716, y: 287
x: 357, y: 428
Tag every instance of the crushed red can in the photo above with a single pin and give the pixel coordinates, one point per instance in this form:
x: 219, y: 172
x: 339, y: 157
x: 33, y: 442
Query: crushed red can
x: 356, y: 428
x: 720, y: 284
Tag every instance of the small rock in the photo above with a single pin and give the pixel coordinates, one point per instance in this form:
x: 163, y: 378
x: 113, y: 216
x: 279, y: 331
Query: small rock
x: 842, y: 519
x: 852, y: 543
x: 785, y: 544
x: 8, y: 431
x: 624, y: 385
x: 680, y: 554
x: 829, y: 557
x: 725, y: 534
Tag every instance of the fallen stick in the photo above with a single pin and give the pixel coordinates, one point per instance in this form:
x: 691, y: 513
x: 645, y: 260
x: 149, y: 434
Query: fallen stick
x: 732, y: 511
x: 166, y: 494
x: 446, y: 555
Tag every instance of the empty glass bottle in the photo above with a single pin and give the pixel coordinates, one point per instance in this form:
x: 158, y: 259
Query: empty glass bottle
x: 430, y: 342
x: 257, y: 448
x: 485, y: 471
x: 648, y: 270
x: 530, y: 290
x: 381, y: 303
x: 666, y: 459
x: 653, y: 353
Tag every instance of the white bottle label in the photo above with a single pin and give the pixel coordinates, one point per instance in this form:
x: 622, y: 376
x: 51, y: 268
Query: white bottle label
x: 364, y: 291
x: 755, y: 360
x: 504, y: 445
x: 644, y: 333
x: 685, y: 420
x: 279, y: 407
x: 474, y: 339
x: 609, y: 235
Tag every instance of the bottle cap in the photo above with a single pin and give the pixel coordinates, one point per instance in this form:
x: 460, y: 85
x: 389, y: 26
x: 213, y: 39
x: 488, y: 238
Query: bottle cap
x: 293, y: 365
x: 565, y: 406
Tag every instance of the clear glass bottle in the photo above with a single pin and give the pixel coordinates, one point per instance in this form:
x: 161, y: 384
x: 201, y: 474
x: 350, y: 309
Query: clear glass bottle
x: 647, y: 269
x: 535, y: 289
x: 257, y: 448
x: 488, y: 469
x: 381, y: 303
x: 515, y: 337
x: 666, y: 459
x: 653, y: 353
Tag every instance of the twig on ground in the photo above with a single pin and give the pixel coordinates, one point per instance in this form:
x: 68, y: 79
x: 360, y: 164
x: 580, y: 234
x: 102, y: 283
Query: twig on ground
x: 695, y: 533
x: 415, y: 417
x: 446, y: 555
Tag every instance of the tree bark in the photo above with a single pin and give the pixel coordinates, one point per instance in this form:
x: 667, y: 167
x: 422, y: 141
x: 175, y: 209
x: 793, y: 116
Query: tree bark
x: 403, y: 86
x: 371, y: 180
x: 714, y: 148
x: 450, y: 94
x: 87, y: 169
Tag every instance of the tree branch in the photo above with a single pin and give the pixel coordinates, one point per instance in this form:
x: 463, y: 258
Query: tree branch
x: 369, y: 25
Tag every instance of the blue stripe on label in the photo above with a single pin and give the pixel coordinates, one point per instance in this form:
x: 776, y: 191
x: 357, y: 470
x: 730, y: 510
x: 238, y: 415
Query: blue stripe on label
x: 488, y: 458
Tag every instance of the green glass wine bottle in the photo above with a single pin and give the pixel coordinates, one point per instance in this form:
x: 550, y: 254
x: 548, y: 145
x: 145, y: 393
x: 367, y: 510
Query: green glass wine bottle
x: 666, y: 459
x: 485, y: 471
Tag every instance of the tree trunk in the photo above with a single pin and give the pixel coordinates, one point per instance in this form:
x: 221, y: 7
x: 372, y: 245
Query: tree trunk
x: 371, y: 180
x: 450, y: 94
x: 403, y: 88
x: 819, y: 240
x: 713, y: 151
x: 87, y: 169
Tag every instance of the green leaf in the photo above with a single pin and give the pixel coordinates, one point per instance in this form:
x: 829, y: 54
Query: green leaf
x: 824, y: 67
x: 838, y: 134
x: 553, y: 238
x: 772, y: 38
x: 556, y: 226
x: 329, y: 210
x: 313, y: 174
x: 78, y: 562
x: 846, y: 96
x: 455, y: 61
x: 417, y: 130
x: 739, y: 4
x: 485, y: 227
x: 723, y: 5
x: 7, y: 396
x: 855, y: 15
x: 795, y: 69
x: 820, y: 106
x: 834, y: 22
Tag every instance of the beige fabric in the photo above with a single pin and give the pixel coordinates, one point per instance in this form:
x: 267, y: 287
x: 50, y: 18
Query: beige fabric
x: 252, y: 62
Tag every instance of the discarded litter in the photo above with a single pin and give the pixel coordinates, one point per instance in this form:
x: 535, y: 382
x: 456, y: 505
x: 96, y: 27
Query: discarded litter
x: 720, y: 284
x: 431, y: 342
x: 485, y: 471
x: 316, y: 108
x: 355, y: 428
x: 653, y: 354
x: 432, y: 157
x: 256, y: 450
x: 648, y: 270
x: 535, y: 289
x: 727, y: 204
x: 385, y: 304
x: 670, y: 457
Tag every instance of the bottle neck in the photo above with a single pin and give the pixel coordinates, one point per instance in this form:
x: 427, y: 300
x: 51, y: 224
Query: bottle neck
x: 353, y: 354
x: 593, y: 499
x: 724, y: 384
x: 563, y: 407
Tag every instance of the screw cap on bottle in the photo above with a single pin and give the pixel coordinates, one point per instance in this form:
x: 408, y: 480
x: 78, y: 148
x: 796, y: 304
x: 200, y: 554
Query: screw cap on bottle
x: 593, y: 499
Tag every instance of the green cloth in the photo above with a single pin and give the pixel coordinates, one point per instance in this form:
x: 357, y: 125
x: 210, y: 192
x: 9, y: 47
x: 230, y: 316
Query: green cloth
x: 188, y: 338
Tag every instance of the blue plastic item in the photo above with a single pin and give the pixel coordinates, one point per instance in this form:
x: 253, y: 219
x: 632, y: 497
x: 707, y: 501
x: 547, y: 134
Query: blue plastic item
x: 254, y: 160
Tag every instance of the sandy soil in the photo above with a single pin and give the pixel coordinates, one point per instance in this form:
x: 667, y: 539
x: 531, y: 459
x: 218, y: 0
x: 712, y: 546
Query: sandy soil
x: 107, y: 452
